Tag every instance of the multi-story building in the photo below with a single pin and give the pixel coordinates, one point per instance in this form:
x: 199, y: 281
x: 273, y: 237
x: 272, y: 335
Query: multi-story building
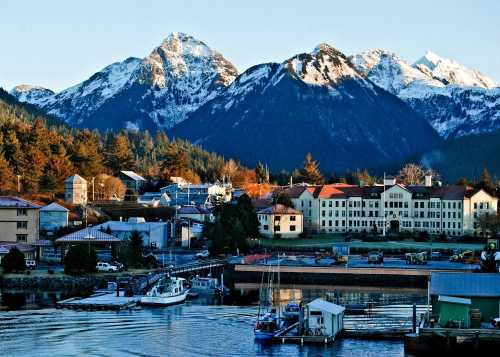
x: 281, y: 221
x: 452, y: 210
x: 19, y: 220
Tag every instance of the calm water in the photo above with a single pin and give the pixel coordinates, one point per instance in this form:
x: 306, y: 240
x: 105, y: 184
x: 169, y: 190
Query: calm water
x: 196, y: 328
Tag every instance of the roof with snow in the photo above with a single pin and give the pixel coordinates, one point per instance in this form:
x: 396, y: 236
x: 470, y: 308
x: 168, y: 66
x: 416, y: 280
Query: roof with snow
x: 76, y: 179
x: 465, y: 284
x: 54, y: 207
x: 16, y: 202
x: 323, y: 305
x: 132, y: 175
x: 454, y: 300
x: 87, y: 235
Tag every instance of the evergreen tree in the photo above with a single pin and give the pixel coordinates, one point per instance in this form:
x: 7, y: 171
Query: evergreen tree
x: 119, y: 156
x: 80, y: 259
x: 13, y: 261
x: 57, y: 170
x: 310, y: 173
x: 133, y: 250
x: 260, y: 173
x: 486, y: 182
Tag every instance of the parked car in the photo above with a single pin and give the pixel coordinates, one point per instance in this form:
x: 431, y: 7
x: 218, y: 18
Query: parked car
x: 106, y: 267
x: 203, y: 254
x: 436, y: 256
x: 30, y: 264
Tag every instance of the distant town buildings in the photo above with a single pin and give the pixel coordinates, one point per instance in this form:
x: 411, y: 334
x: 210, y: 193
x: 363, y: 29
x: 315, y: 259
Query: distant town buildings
x: 195, y: 213
x: 204, y: 195
x: 75, y: 190
x: 280, y: 221
x: 19, y: 220
x: 452, y: 210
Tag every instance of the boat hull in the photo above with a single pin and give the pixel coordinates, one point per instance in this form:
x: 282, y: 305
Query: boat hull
x: 263, y: 335
x: 164, y: 301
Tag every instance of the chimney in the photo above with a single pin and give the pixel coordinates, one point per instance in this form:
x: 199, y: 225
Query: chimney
x: 428, y: 180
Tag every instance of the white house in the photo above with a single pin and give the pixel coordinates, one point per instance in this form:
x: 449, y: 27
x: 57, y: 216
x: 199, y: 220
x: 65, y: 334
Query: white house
x: 280, y: 220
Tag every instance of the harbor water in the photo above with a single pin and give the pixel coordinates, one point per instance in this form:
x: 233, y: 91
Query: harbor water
x: 203, y: 327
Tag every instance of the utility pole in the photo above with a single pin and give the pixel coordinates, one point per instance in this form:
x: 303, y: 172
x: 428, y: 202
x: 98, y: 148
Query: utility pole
x: 383, y: 207
x: 93, y: 182
x: 18, y: 183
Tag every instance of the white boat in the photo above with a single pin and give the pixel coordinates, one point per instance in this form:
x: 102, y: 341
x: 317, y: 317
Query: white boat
x: 168, y: 291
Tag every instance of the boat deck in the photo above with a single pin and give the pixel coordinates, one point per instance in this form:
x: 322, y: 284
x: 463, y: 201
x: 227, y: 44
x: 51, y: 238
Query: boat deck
x: 100, y: 301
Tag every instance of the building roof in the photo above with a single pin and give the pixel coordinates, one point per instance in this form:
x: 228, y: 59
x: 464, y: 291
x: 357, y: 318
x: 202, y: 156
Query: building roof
x: 76, y: 179
x: 279, y: 209
x: 323, y: 305
x: 88, y: 235
x: 54, y: 207
x: 133, y: 175
x: 16, y: 202
x: 23, y: 247
x: 465, y: 284
x: 189, y: 209
x: 117, y: 226
x: 454, y: 300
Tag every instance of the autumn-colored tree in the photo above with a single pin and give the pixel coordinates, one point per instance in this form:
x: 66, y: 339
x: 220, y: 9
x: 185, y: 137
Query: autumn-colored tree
x: 57, y: 170
x: 411, y: 174
x: 310, y: 173
x: 85, y: 154
x: 243, y: 177
x: 261, y: 173
x: 108, y: 187
x: 7, y: 177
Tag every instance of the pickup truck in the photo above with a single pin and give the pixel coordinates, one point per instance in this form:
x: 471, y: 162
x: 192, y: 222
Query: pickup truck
x: 106, y: 267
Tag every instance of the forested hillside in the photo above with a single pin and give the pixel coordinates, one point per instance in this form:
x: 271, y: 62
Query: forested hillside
x: 44, y: 152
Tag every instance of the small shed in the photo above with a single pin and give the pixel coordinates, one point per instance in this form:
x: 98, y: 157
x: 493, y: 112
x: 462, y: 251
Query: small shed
x: 455, y: 310
x: 483, y: 290
x: 323, y: 318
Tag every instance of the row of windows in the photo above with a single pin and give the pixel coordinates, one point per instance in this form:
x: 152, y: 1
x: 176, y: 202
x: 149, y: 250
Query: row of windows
x: 399, y: 204
x: 482, y: 205
x: 277, y: 228
x: 404, y: 224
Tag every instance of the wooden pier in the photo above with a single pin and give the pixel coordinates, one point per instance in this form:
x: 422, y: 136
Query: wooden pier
x: 285, y: 337
x: 100, y: 301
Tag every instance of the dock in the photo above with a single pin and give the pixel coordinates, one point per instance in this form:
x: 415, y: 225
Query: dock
x: 287, y: 336
x: 100, y: 301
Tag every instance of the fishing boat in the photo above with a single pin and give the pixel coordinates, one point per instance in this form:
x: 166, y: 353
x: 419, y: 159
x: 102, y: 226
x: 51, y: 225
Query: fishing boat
x: 204, y: 284
x: 269, y: 322
x: 291, y: 312
x: 168, y: 291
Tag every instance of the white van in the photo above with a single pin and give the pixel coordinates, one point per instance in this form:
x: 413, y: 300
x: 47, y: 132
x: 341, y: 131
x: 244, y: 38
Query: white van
x: 106, y: 267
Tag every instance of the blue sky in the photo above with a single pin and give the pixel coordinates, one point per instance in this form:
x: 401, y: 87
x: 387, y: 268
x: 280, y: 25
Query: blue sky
x: 59, y: 43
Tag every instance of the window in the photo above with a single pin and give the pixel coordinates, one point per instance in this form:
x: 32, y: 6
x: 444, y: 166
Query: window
x: 22, y: 225
x: 22, y: 237
x: 330, y: 203
x: 277, y: 228
x: 22, y: 212
x: 323, y: 204
x: 292, y: 218
x: 292, y: 228
x: 266, y: 227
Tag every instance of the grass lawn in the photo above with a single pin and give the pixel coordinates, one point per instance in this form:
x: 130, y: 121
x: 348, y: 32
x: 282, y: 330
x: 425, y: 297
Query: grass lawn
x: 326, y: 241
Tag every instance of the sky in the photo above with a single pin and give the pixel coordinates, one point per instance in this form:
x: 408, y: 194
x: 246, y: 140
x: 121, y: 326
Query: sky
x: 57, y: 44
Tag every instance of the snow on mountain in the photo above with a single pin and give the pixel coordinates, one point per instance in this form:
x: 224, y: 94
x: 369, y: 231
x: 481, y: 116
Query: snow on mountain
x: 451, y: 72
x: 313, y: 102
x: 157, y: 91
x: 31, y: 94
x: 455, y: 100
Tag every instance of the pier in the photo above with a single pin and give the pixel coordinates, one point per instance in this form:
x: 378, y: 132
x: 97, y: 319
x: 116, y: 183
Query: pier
x: 198, y: 266
x: 100, y: 301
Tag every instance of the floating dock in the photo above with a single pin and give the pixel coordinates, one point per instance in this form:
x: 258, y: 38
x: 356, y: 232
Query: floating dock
x: 100, y: 301
x: 287, y: 336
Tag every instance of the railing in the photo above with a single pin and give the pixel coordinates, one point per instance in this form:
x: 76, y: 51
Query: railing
x: 207, y: 264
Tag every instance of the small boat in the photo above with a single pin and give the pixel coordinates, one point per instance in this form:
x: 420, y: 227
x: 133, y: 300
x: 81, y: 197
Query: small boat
x: 268, y: 326
x: 168, y: 291
x: 291, y: 312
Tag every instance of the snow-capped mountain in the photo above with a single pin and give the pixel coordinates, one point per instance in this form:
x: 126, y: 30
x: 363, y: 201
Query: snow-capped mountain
x: 157, y: 91
x: 314, y: 102
x: 30, y: 94
x: 457, y: 101
x: 449, y: 71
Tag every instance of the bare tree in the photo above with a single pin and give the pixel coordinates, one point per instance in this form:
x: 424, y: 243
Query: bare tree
x: 230, y: 169
x: 411, y: 174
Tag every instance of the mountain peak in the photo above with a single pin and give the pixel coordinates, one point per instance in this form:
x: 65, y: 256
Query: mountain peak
x: 30, y: 93
x: 451, y: 72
